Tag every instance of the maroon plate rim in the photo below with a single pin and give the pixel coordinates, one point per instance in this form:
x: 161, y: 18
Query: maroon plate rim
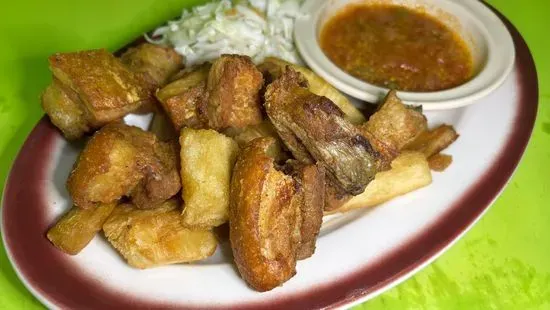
x: 53, y: 278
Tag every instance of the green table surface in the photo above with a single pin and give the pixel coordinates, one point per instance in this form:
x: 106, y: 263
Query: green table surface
x: 502, y: 263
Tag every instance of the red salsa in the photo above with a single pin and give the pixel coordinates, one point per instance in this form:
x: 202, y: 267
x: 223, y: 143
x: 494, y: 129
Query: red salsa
x: 396, y: 47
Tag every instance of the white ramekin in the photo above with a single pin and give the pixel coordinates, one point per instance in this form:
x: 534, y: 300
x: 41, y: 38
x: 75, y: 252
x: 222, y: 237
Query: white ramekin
x: 490, y: 42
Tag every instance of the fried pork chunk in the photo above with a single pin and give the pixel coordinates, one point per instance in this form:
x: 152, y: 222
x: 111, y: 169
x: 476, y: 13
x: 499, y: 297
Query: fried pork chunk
x: 222, y: 95
x: 184, y: 99
x: 233, y: 87
x: 389, y: 130
x: 155, y: 237
x: 315, y: 131
x: 273, y: 67
x: 393, y: 126
x: 264, y: 223
x: 274, y: 218
x: 91, y: 89
x: 310, y: 181
x: 156, y: 63
x: 121, y: 160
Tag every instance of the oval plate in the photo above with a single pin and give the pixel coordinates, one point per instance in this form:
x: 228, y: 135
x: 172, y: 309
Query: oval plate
x: 358, y: 256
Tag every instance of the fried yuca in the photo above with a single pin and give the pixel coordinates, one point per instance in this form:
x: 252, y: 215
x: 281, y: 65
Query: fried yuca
x: 207, y: 160
x: 77, y: 228
x: 409, y: 171
x: 153, y: 237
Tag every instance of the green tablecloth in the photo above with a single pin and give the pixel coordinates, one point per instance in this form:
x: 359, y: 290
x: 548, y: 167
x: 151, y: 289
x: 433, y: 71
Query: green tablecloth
x: 502, y: 263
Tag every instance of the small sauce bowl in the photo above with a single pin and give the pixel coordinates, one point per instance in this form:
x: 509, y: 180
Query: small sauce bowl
x: 489, y: 41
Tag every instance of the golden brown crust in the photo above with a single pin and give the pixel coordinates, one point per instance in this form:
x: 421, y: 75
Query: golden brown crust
x: 440, y: 162
x: 78, y: 227
x: 392, y: 127
x: 311, y: 189
x: 395, y: 125
x: 108, y: 90
x: 105, y: 170
x: 263, y: 221
x: 272, y: 68
x: 184, y: 99
x: 183, y: 109
x: 91, y: 89
x: 119, y: 160
x: 314, y: 130
x: 233, y: 87
x: 64, y: 109
x: 161, y: 180
x: 155, y: 237
x: 156, y: 63
x: 431, y: 142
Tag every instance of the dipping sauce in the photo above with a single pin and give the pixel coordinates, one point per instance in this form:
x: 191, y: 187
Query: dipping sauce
x: 396, y: 47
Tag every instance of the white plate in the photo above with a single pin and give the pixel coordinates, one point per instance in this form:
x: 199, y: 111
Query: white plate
x: 358, y: 255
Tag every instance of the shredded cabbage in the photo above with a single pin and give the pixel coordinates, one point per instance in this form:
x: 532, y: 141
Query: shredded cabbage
x: 257, y: 28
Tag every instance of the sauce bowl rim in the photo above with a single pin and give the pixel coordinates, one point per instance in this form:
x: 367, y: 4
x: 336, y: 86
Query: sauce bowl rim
x: 500, y: 56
